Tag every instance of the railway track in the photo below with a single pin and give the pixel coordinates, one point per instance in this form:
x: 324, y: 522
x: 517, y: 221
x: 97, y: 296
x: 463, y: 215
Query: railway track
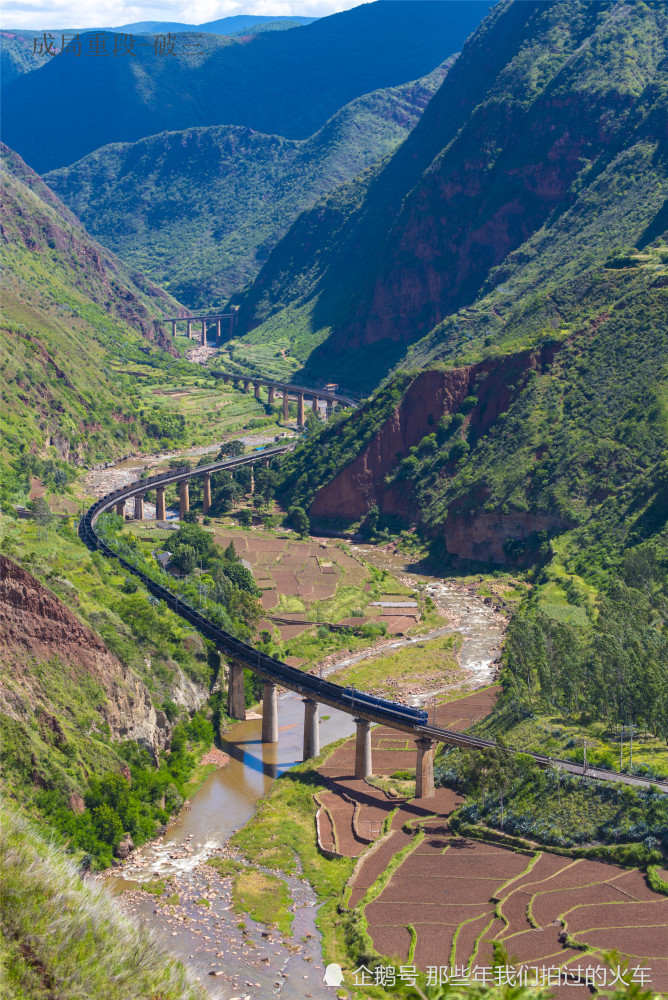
x: 357, y: 703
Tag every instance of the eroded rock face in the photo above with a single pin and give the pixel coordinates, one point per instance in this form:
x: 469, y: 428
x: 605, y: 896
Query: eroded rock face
x: 37, y: 628
x: 479, y: 535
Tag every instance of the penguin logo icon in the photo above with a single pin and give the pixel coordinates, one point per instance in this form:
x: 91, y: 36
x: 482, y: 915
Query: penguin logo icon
x: 333, y: 975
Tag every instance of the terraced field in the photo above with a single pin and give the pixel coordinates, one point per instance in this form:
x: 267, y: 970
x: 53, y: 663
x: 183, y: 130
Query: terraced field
x: 447, y: 898
x: 305, y: 579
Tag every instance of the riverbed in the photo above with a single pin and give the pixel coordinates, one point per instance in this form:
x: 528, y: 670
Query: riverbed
x: 231, y: 961
x: 246, y: 961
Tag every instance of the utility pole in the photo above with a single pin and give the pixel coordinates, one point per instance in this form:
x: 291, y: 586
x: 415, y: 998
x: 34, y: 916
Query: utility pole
x: 584, y: 768
x: 630, y: 728
x: 621, y: 745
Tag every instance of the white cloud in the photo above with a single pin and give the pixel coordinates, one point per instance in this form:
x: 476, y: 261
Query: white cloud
x: 94, y: 13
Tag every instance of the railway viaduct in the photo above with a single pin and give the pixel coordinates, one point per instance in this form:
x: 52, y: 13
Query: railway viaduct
x: 365, y: 709
x: 228, y: 318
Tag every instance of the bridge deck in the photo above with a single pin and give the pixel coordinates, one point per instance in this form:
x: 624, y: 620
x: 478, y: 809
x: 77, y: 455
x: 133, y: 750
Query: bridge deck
x: 357, y: 703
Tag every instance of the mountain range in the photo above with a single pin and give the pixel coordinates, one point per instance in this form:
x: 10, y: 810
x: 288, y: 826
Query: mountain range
x: 283, y: 82
x: 200, y: 210
x: 542, y: 155
x: 22, y: 51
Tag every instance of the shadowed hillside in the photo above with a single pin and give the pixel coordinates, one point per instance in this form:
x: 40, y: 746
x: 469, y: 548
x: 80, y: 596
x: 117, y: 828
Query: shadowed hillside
x: 201, y: 210
x: 284, y: 82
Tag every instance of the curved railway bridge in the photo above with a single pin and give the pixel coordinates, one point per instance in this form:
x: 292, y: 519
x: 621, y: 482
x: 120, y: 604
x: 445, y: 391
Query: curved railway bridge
x: 366, y: 709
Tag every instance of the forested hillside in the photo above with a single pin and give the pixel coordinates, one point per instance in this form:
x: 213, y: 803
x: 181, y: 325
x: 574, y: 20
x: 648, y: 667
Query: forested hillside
x: 541, y: 156
x: 282, y: 82
x: 71, y: 309
x: 529, y: 426
x: 200, y: 210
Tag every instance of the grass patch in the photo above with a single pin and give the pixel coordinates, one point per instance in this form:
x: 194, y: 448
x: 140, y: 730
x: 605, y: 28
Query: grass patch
x: 265, y: 898
x: 429, y: 662
x: 226, y: 867
x: 65, y: 938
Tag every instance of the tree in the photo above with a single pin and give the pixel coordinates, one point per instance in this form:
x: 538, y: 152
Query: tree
x: 231, y: 449
x: 371, y: 523
x: 184, y: 558
x: 299, y: 520
x: 43, y: 516
x: 244, y: 517
x: 190, y: 517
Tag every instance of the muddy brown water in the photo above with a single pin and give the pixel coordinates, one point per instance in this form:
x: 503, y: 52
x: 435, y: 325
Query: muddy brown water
x: 252, y: 962
x: 210, y: 940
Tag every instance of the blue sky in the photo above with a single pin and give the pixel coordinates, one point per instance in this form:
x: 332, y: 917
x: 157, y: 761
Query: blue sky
x: 91, y: 13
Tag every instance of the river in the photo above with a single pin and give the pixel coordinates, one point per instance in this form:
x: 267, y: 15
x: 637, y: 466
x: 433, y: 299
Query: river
x: 248, y: 962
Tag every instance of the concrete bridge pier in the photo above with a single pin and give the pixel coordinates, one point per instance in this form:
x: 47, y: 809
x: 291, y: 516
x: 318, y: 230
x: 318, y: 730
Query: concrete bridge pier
x: 173, y: 328
x: 424, y: 771
x: 219, y: 335
x: 311, y: 731
x: 235, y: 383
x: 236, y: 700
x: 190, y: 329
x: 314, y: 404
x: 120, y: 508
x: 139, y: 508
x: 203, y: 333
x: 286, y: 405
x: 257, y: 389
x: 300, y: 409
x: 252, y: 481
x: 184, y: 497
x: 246, y: 384
x: 206, y: 499
x: 269, y: 713
x: 363, y: 749
x: 160, y: 513
x: 271, y: 395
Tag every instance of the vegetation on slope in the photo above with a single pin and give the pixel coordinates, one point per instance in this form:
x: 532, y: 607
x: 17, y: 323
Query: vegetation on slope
x: 511, y: 793
x: 69, y: 307
x: 527, y: 168
x: 200, y: 210
x: 64, y: 937
x: 280, y: 82
x: 60, y: 756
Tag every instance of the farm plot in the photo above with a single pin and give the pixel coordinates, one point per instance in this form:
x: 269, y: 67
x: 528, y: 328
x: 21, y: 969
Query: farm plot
x: 325, y: 581
x: 450, y: 898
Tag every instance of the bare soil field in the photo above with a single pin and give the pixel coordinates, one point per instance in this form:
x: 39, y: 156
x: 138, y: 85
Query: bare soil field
x: 461, y: 895
x: 305, y: 570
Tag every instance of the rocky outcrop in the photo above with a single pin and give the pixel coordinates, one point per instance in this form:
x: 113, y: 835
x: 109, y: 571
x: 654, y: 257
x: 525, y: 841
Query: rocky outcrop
x: 479, y: 535
x: 39, y: 633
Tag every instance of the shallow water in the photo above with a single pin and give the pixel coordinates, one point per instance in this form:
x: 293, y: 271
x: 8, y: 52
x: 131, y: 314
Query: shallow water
x: 224, y: 803
x: 208, y: 939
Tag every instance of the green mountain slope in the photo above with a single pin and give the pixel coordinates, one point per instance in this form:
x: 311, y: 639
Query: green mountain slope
x: 70, y: 308
x: 200, y: 210
x: 543, y: 153
x: 22, y: 51
x: 284, y: 82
